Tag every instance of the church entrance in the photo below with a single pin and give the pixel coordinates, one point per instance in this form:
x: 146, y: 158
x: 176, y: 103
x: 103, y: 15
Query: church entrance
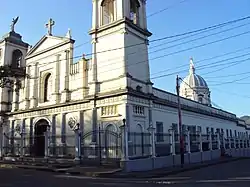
x: 39, y: 140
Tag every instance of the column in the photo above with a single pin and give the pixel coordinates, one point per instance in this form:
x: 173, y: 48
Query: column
x: 210, y: 141
x: 35, y: 86
x: 53, y: 135
x: 65, y: 86
x: 1, y: 141
x: 94, y: 61
x: 63, y: 134
x: 23, y: 137
x: 57, y: 80
x: 15, y: 96
x: 151, y: 130
x: 95, y: 15
x: 27, y: 88
x: 229, y: 142
x: 81, y: 120
x: 66, y: 80
x: 128, y: 116
x: 223, y: 140
x: 234, y: 139
x: 218, y: 140
x: 126, y: 9
x: 94, y: 124
x: 172, y: 141
x: 200, y: 139
x: 31, y: 135
x: 188, y: 142
x: 46, y: 143
x: 77, y: 144
x: 124, y: 131
x: 93, y: 72
x: 144, y: 14
x: 10, y: 134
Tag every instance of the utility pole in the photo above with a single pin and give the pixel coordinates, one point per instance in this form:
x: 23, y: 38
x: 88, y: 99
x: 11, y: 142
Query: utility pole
x: 180, y: 121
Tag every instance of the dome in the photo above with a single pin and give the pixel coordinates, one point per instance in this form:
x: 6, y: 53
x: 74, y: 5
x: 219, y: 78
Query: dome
x: 194, y: 87
x: 193, y: 80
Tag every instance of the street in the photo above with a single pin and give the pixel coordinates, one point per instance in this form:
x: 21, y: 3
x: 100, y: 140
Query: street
x: 230, y: 174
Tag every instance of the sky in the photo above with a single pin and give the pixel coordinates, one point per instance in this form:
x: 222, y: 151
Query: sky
x: 228, y: 80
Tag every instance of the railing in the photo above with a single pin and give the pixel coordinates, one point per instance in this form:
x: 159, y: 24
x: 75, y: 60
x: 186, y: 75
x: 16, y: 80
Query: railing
x: 74, y: 68
x: 106, y: 145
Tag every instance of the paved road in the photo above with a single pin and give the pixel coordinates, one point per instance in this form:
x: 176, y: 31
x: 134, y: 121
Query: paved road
x: 13, y: 177
x: 232, y: 174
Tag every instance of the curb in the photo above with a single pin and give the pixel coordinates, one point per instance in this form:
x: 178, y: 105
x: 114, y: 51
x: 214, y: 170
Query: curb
x: 124, y: 175
x: 163, y: 174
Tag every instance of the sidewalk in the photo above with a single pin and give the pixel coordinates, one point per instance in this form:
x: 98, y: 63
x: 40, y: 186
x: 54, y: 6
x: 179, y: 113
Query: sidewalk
x: 118, y: 173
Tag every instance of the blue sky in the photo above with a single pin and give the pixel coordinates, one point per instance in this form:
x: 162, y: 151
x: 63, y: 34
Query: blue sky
x: 233, y: 96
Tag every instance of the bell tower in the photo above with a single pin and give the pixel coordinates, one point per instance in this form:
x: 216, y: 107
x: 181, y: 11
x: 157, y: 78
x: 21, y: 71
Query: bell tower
x: 119, y: 46
x: 12, y: 55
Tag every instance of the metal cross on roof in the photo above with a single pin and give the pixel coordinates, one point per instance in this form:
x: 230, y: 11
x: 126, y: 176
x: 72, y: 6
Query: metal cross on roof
x: 49, y: 26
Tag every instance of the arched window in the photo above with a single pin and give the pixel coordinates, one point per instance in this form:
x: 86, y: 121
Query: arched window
x: 134, y: 11
x: 111, y: 128
x: 200, y: 99
x: 17, y: 56
x: 108, y: 11
x: 47, y: 87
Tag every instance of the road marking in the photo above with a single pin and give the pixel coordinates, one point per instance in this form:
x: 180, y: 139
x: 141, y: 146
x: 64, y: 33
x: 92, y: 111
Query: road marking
x: 112, y: 180
x: 74, y: 176
x: 171, y: 178
x: 240, y: 178
x: 220, y: 181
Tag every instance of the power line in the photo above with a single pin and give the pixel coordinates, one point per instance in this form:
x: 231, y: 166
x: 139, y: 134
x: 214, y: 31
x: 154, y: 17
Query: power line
x: 176, y: 52
x: 231, y: 93
x: 198, y: 93
x: 173, y: 36
x: 167, y: 8
x: 229, y: 82
x: 231, y: 64
x: 203, y: 29
x: 189, y: 41
x: 202, y: 45
x: 230, y: 75
x: 206, y: 59
x: 203, y: 67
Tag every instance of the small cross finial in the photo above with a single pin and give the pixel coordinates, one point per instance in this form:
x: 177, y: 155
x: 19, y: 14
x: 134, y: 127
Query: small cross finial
x: 49, y: 26
x: 191, y: 69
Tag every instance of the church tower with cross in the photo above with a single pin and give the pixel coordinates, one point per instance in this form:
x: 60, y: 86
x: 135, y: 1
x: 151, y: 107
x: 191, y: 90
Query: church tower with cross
x: 12, y: 54
x: 120, y: 46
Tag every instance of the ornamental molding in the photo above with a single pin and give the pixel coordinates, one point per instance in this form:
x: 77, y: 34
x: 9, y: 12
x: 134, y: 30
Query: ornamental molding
x: 111, y: 100
x: 139, y: 100
x: 51, y: 111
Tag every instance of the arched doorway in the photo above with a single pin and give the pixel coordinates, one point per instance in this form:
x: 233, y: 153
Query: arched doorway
x: 39, y: 140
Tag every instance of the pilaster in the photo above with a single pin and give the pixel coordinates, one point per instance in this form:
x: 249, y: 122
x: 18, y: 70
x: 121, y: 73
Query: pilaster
x: 65, y: 91
x: 15, y: 102
x: 27, y: 89
x: 56, y: 94
x: 35, y: 87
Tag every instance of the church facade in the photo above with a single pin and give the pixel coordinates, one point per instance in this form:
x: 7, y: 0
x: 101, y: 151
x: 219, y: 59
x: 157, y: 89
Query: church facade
x: 99, y: 92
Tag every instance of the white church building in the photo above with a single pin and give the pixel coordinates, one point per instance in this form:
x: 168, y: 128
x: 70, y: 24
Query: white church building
x: 114, y: 84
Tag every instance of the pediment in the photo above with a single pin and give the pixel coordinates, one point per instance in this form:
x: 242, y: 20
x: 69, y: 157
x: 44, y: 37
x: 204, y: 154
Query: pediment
x: 47, y: 43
